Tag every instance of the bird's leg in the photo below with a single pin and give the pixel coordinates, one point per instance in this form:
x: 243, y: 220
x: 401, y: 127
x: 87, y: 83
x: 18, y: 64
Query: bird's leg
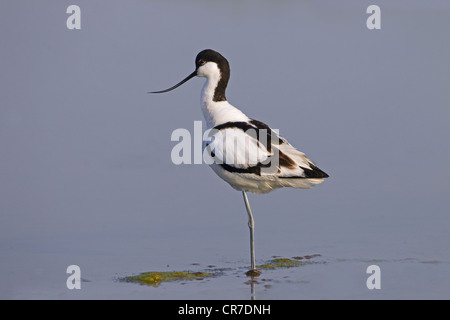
x: 251, y: 226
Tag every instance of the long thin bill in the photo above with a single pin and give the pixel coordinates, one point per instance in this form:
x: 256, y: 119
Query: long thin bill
x: 193, y: 74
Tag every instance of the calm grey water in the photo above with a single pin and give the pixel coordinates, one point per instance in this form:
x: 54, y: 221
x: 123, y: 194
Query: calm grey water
x: 86, y: 176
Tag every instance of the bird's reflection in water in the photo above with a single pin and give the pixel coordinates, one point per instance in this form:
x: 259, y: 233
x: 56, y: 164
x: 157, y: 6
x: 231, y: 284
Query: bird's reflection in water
x: 252, y: 282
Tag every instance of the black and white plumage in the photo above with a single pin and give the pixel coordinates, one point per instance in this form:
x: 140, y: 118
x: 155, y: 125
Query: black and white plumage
x: 256, y: 166
x: 244, y: 152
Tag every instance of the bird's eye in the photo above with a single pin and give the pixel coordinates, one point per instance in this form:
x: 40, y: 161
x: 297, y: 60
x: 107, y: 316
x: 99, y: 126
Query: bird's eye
x: 201, y: 62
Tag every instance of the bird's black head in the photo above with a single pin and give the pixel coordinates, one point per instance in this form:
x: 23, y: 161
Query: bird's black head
x: 209, y: 55
x: 209, y: 63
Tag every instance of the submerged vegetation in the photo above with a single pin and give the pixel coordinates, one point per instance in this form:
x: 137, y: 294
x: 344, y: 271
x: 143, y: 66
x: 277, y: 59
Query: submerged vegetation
x: 280, y: 263
x: 155, y: 278
x: 287, y: 263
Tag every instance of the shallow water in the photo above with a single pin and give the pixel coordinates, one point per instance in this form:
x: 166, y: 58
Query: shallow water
x: 323, y: 278
x: 86, y: 176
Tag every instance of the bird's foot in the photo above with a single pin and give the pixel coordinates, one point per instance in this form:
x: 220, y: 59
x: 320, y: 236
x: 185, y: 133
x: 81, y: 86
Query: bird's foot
x: 253, y: 273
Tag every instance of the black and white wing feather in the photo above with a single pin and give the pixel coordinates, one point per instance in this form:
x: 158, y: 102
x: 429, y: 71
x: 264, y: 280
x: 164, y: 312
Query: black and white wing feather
x: 254, y: 148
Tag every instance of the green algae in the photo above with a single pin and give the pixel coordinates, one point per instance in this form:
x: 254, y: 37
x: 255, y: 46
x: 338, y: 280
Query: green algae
x: 287, y: 263
x: 155, y: 278
x: 280, y: 263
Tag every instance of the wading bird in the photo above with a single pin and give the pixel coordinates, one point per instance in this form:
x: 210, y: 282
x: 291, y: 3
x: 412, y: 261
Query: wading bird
x: 247, y: 153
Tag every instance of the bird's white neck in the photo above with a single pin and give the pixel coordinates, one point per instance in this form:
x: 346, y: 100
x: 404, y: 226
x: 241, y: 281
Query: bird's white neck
x: 218, y: 112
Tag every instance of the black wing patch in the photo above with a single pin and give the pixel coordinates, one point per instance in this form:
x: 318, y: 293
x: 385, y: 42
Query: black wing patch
x: 313, y: 173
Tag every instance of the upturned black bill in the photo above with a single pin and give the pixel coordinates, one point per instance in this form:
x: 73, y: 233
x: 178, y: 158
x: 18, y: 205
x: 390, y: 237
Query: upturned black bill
x: 193, y: 74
